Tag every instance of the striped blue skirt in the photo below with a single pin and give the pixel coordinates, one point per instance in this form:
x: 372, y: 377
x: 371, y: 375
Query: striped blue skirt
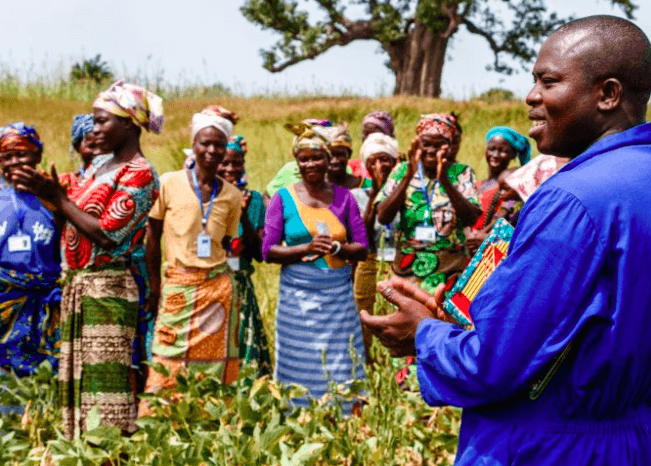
x: 317, y: 329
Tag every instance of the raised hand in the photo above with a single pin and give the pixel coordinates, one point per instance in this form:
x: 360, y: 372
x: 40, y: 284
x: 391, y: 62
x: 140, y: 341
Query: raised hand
x: 414, y: 155
x: 443, y: 163
x: 37, y: 182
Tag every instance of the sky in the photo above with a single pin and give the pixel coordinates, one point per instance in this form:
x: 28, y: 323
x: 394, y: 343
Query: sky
x: 186, y: 42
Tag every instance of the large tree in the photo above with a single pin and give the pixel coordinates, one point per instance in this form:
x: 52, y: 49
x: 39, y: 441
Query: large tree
x: 414, y: 33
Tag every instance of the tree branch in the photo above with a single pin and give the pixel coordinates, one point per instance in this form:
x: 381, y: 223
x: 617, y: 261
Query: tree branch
x: 480, y: 32
x: 355, y: 30
x: 454, y: 20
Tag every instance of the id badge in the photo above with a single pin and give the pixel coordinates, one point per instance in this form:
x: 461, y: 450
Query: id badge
x: 234, y: 263
x: 203, y: 246
x: 426, y: 234
x: 388, y: 254
x: 19, y: 243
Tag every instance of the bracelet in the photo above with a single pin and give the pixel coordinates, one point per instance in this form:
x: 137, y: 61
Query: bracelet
x: 337, y: 245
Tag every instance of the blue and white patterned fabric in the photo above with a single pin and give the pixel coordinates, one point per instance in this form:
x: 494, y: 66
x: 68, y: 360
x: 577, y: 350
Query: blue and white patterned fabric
x: 29, y: 292
x: 317, y: 314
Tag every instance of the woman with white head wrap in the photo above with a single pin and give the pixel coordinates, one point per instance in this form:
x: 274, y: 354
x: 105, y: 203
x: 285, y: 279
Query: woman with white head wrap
x: 210, y: 118
x: 379, y: 154
x: 199, y: 213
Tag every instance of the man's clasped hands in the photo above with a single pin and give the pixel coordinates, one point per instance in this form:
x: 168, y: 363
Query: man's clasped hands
x: 397, y: 331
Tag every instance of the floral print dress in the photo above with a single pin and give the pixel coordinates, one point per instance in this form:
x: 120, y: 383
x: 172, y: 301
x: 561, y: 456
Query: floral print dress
x: 442, y: 260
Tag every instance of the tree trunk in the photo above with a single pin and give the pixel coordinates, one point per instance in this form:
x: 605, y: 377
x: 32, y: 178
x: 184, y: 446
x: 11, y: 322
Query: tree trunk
x: 417, y: 61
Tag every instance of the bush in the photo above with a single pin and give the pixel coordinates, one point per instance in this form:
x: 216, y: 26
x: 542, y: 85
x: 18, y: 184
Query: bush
x: 496, y: 95
x: 93, y: 69
x: 251, y: 422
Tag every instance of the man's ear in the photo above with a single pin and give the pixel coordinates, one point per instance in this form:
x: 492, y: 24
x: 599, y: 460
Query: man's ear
x: 612, y: 94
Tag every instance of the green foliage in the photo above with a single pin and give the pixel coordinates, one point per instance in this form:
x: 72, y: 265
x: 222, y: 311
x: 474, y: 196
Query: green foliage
x: 496, y: 95
x: 512, y: 28
x: 93, y: 69
x: 203, y: 422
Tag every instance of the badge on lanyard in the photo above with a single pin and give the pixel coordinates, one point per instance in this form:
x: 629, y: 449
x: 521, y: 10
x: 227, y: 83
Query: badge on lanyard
x: 19, y: 242
x: 426, y: 232
x: 204, y: 241
x: 204, y: 250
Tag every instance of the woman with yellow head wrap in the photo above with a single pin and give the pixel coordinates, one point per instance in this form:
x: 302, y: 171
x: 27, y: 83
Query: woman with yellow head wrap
x: 313, y: 229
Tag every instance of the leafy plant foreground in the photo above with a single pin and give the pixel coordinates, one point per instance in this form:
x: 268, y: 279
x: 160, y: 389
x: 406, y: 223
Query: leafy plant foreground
x: 249, y: 423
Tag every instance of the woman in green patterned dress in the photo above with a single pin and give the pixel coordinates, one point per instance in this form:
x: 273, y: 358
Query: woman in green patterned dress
x: 246, y: 247
x: 436, y: 197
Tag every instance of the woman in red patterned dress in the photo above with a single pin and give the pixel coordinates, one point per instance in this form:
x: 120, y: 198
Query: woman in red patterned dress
x: 105, y: 216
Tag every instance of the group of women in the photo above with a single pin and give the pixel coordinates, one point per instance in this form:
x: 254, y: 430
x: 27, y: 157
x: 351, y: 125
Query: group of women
x: 98, y: 311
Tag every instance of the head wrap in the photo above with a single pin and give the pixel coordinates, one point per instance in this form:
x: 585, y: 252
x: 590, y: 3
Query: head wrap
x: 237, y: 143
x: 130, y: 101
x: 382, y: 120
x: 82, y: 124
x: 19, y: 136
x: 339, y: 136
x: 318, y: 122
x: 217, y: 110
x: 210, y: 120
x: 518, y: 142
x: 439, y: 124
x: 307, y: 137
x: 377, y: 143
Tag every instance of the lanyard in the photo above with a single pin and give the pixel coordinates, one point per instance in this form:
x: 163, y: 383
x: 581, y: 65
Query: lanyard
x: 423, y: 188
x: 19, y: 208
x: 204, y: 216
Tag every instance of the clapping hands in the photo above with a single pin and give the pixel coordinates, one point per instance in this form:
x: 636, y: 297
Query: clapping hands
x: 397, y: 331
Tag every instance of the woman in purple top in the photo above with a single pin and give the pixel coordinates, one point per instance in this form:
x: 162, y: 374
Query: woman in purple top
x: 313, y: 228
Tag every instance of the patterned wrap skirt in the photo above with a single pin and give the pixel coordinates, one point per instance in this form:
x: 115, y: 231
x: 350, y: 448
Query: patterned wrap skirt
x: 99, y: 315
x: 254, y: 348
x: 197, y: 324
x: 316, y: 320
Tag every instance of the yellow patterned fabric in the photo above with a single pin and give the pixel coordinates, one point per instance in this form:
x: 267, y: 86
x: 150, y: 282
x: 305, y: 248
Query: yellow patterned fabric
x: 196, y: 324
x: 126, y: 100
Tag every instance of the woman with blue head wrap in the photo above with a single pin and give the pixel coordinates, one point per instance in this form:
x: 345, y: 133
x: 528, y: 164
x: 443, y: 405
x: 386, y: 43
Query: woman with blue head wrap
x: 503, y: 145
x: 519, y: 145
x: 82, y: 141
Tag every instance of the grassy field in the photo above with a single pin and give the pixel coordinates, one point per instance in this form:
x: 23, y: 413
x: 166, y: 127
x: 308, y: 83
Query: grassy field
x: 395, y: 427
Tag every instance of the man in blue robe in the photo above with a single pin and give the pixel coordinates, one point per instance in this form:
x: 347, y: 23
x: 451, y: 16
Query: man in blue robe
x: 578, y: 271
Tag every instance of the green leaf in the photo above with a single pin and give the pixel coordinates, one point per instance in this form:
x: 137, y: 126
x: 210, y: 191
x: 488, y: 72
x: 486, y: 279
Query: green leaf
x: 307, y: 453
x: 93, y: 418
